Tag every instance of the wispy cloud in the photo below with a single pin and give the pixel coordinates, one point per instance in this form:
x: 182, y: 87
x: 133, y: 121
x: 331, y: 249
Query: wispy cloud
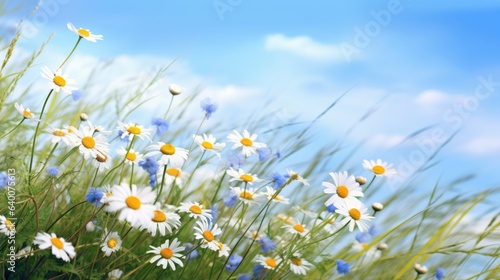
x: 481, y: 146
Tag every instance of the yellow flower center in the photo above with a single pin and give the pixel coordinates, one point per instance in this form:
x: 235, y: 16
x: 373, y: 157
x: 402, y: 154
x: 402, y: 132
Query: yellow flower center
x: 246, y: 195
x: 207, y: 145
x: 88, y: 142
x: 9, y: 225
x: 59, y: 132
x: 112, y: 243
x: 101, y: 158
x: 299, y: 228
x: 131, y: 156
x: 83, y: 32
x: 355, y: 214
x: 59, y: 81
x: 195, y: 209
x: 175, y: 172
x: 166, y: 253
x: 220, y: 245
x: 378, y: 169
x: 159, y: 216
x: 57, y: 242
x: 133, y: 202
x: 27, y: 114
x: 167, y: 149
x: 134, y: 130
x: 342, y: 191
x: 208, y: 235
x: 364, y: 245
x: 271, y: 262
x: 246, y: 142
x: 246, y: 177
x: 296, y: 262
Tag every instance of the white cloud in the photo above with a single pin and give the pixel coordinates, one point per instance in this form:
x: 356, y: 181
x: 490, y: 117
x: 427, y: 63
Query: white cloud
x: 303, y: 46
x: 433, y: 97
x: 231, y: 93
x: 481, y: 146
x: 385, y: 140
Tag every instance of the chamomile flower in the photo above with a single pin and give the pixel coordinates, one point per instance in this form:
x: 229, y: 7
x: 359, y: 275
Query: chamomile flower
x: 207, y: 143
x: 164, y: 222
x: 173, y: 175
x: 296, y: 177
x: 246, y: 142
x: 25, y: 252
x: 115, y: 274
x: 102, y: 162
x: 90, y: 145
x: 84, y: 33
x: 111, y: 243
x: 169, y: 153
x: 58, y: 80
x: 207, y: 232
x: 195, y: 210
x: 240, y: 175
x: 132, y: 129
x: 328, y: 220
x: 278, y: 198
x: 60, y: 248
x: 64, y: 135
x: 268, y: 262
x: 299, y: 265
x: 223, y: 249
x: 131, y: 156
x: 296, y: 228
x: 355, y: 214
x: 135, y: 205
x: 379, y: 168
x: 246, y: 195
x: 168, y: 253
x: 7, y: 227
x: 344, y: 188
x: 26, y: 113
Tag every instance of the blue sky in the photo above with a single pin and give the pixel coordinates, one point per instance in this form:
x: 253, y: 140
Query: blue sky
x: 424, y: 62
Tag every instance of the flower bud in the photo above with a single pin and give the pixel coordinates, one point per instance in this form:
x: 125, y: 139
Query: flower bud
x: 382, y: 246
x: 361, y: 180
x: 420, y: 269
x: 83, y: 117
x: 377, y: 206
x: 90, y: 226
x: 175, y: 89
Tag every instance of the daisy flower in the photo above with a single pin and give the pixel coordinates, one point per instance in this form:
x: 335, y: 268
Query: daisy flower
x: 296, y: 228
x: 379, y: 168
x: 132, y: 129
x: 58, y: 80
x: 168, y: 254
x: 356, y: 214
x: 296, y: 177
x: 245, y: 142
x: 111, y: 243
x: 327, y: 220
x: 270, y: 193
x: 268, y: 262
x: 344, y: 188
x: 64, y: 135
x: 247, y: 196
x: 115, y: 274
x: 60, y: 248
x: 131, y: 156
x: 207, y: 143
x: 298, y: 265
x: 90, y: 145
x: 26, y: 113
x: 102, y: 162
x: 195, y: 210
x: 169, y: 153
x: 223, y: 249
x: 7, y: 227
x: 173, y: 175
x: 84, y: 33
x: 207, y: 233
x: 25, y: 252
x: 164, y: 222
x: 135, y: 205
x: 240, y: 175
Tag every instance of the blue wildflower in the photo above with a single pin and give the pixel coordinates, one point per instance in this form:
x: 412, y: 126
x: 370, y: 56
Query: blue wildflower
x: 149, y: 164
x: 230, y: 199
x: 77, y: 95
x: 94, y: 196
x: 215, y: 212
x: 373, y: 231
x: 331, y: 208
x: 161, y: 126
x: 152, y: 180
x: 264, y: 153
x: 440, y: 274
x: 209, y: 106
x: 245, y: 276
x: 266, y: 244
x: 233, y: 262
x: 278, y: 180
x: 342, y: 267
x: 363, y: 237
x: 235, y: 160
x: 124, y: 139
x: 53, y: 171
x: 4, y: 179
x: 259, y: 271
x: 189, y: 248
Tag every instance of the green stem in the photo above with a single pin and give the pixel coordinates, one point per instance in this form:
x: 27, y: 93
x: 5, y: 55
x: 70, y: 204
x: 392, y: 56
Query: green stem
x: 169, y: 105
x: 72, y: 51
x: 13, y: 128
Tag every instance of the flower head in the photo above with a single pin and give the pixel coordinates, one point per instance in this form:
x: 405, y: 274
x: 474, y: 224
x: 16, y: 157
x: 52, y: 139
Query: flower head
x: 60, y: 248
x: 161, y: 126
x: 115, y: 274
x: 294, y: 176
x: 89, y: 144
x: 299, y: 265
x: 58, y: 80
x: 355, y: 214
x: 130, y: 130
x: 344, y: 188
x: 235, y: 160
x: 175, y: 89
x: 26, y: 113
x: 379, y: 168
x: 242, y: 176
x: 207, y: 143
x: 268, y: 262
x: 266, y: 244
x: 206, y: 233
x: 230, y: 199
x: 84, y: 33
x: 94, y: 196
x: 167, y: 254
x: 195, y: 210
x: 246, y: 142
x: 440, y: 273
x: 246, y: 195
x: 169, y: 153
x: 296, y: 228
x: 111, y: 243
x: 7, y: 227
x: 233, y: 262
x: 270, y: 192
x: 163, y: 222
x: 342, y: 267
x: 4, y: 179
x: 209, y: 106
x: 131, y: 156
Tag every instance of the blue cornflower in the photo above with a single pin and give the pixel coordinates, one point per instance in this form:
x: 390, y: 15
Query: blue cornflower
x: 215, y: 212
x: 373, y: 231
x: 363, y: 237
x: 209, y: 106
x: 440, y: 274
x: 152, y: 180
x: 235, y: 160
x: 53, y: 171
x: 161, y: 126
x: 149, y: 164
x: 331, y: 208
x: 264, y: 153
x: 233, y: 262
x: 94, y: 196
x: 245, y: 276
x: 266, y: 244
x: 76, y: 95
x: 259, y: 271
x: 278, y: 180
x: 342, y: 267
x: 124, y: 139
x: 4, y: 179
x: 230, y: 199
x: 194, y: 253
